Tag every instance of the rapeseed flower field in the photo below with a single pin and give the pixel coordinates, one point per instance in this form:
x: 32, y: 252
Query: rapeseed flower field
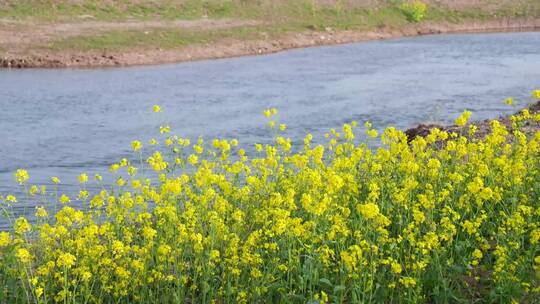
x: 449, y: 218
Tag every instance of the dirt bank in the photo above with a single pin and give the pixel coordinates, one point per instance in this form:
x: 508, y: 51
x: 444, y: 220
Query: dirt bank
x: 483, y: 127
x: 44, y: 58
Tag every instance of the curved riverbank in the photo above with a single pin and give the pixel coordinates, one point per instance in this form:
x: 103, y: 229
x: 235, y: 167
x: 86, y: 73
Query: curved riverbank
x: 225, y: 48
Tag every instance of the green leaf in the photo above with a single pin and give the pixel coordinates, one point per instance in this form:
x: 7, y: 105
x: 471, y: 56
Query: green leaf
x: 339, y: 288
x: 325, y: 281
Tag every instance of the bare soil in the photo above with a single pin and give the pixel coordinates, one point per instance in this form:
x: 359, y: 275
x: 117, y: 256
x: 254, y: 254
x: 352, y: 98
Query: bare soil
x: 17, y: 41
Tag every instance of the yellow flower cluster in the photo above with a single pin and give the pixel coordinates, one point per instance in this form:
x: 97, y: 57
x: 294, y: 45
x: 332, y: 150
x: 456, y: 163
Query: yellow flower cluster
x: 21, y: 176
x: 444, y: 218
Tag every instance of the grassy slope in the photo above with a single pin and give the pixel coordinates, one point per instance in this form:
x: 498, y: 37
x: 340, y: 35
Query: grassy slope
x: 278, y: 16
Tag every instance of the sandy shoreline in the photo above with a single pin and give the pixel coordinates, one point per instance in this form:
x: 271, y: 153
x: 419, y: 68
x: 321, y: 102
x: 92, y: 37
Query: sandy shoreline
x: 234, y: 48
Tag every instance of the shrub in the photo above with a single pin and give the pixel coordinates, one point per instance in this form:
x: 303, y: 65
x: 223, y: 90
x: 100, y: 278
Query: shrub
x: 415, y: 11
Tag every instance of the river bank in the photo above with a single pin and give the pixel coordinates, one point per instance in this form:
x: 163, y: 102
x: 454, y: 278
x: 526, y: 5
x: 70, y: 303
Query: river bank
x: 483, y: 127
x: 73, y: 36
x: 235, y: 48
x: 227, y: 48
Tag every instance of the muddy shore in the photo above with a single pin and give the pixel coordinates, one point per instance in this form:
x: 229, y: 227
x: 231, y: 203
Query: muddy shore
x: 233, y: 48
x: 483, y: 126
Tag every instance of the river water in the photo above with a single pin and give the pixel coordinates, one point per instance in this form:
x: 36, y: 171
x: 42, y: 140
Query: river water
x: 64, y: 122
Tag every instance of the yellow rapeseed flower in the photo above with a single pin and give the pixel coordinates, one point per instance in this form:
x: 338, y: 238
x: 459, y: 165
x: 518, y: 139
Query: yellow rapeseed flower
x: 38, y: 291
x: 33, y: 190
x: 396, y: 268
x: 339, y: 214
x: 83, y: 178
x: 64, y: 199
x: 136, y: 145
x: 41, y: 212
x: 369, y: 210
x: 5, y: 238
x: 22, y: 225
x: 11, y: 198
x: 372, y: 133
x: 407, y: 282
x: 164, y: 129
x: 463, y: 118
x: 66, y: 260
x: 21, y: 176
x: 23, y: 255
x: 193, y: 159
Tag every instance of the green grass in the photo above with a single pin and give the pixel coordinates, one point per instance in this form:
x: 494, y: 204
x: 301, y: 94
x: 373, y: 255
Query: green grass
x: 266, y: 9
x: 175, y: 38
x: 56, y: 10
x: 510, y: 11
x: 123, y: 9
x: 277, y: 16
x: 163, y: 38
